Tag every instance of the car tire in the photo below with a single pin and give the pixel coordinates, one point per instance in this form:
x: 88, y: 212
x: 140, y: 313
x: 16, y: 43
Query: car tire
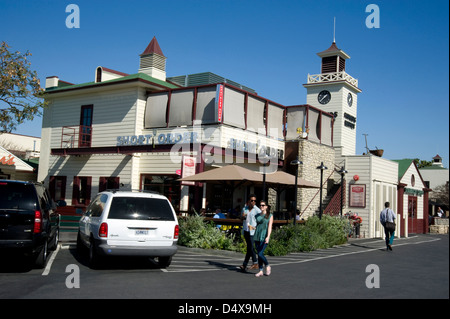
x: 94, y: 258
x: 55, y: 240
x: 41, y: 258
x: 81, y: 248
x: 164, y: 262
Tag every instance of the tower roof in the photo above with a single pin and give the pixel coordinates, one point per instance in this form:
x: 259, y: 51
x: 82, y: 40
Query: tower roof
x: 332, y: 51
x: 153, y: 47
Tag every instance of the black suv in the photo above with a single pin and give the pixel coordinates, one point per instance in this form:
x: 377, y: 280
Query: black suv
x: 29, y: 223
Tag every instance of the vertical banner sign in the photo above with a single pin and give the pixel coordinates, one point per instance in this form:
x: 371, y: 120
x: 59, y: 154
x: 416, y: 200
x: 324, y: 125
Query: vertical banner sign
x: 219, y: 102
x: 188, y: 168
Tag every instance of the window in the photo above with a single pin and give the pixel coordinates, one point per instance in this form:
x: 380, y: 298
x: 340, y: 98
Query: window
x: 96, y: 207
x: 108, y: 183
x: 412, y: 207
x: 166, y: 185
x: 181, y: 107
x: 81, y: 190
x: 140, y: 208
x: 206, y: 109
x: 57, y: 187
x: 233, y: 108
x: 155, y: 110
x: 85, y: 132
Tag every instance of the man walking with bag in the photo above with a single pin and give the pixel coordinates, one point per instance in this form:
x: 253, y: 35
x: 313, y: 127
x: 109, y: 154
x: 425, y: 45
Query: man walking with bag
x: 387, y: 219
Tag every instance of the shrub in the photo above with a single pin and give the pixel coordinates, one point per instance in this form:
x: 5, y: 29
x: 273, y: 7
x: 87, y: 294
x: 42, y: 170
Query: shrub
x: 196, y: 233
x: 314, y: 234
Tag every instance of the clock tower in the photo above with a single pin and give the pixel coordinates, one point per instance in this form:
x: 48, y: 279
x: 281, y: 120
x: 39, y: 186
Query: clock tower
x: 334, y: 91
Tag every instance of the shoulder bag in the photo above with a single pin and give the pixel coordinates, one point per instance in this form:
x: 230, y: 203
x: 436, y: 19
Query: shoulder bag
x: 390, y: 226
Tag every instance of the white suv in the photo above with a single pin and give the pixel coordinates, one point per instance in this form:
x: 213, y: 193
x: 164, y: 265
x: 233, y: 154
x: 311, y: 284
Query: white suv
x: 119, y: 223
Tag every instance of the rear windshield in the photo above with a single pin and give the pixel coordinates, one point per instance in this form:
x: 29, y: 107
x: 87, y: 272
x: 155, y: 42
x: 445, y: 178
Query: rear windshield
x: 140, y: 208
x: 17, y: 196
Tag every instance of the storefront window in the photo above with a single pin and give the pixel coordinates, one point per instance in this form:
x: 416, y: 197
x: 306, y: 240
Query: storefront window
x: 166, y: 185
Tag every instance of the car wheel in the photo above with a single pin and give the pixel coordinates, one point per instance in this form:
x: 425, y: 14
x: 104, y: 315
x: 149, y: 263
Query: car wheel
x: 94, y: 258
x: 80, y: 246
x: 41, y: 259
x: 164, y: 262
x: 55, y: 240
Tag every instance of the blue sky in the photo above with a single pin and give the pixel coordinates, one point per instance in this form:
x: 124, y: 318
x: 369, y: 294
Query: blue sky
x: 270, y: 46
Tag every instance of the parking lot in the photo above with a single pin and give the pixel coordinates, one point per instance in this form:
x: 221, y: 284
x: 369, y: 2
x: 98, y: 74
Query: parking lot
x: 194, y: 273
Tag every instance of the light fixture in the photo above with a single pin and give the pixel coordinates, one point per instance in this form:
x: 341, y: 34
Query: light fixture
x: 296, y: 162
x: 321, y: 167
x: 342, y: 172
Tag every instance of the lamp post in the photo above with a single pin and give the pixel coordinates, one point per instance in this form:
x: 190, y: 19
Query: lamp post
x: 342, y: 171
x: 296, y: 162
x: 264, y: 159
x: 321, y: 167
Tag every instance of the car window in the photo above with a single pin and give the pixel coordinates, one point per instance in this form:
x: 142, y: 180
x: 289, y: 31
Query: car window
x: 42, y: 199
x: 141, y: 208
x: 17, y: 196
x: 96, y: 207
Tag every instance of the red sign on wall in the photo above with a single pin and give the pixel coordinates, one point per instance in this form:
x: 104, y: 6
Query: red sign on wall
x: 219, y: 102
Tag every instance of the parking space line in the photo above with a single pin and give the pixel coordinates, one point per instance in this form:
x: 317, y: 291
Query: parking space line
x: 195, y: 262
x: 50, y: 261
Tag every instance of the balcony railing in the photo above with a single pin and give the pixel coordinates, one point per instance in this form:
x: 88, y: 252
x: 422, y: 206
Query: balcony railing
x: 330, y: 77
x: 76, y: 136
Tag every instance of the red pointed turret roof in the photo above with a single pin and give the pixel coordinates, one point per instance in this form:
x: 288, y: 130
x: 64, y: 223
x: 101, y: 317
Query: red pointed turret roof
x: 333, y: 50
x: 153, y: 47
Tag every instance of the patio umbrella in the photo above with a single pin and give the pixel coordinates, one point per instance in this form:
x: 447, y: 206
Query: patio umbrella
x: 231, y: 175
x: 282, y: 178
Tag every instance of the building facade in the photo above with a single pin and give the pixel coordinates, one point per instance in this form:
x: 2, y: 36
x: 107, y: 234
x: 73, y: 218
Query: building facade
x: 144, y: 131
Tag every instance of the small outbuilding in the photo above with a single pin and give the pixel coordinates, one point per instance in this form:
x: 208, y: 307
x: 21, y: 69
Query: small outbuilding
x: 412, y: 194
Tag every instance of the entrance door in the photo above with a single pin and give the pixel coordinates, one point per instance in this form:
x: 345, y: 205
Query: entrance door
x: 412, y: 214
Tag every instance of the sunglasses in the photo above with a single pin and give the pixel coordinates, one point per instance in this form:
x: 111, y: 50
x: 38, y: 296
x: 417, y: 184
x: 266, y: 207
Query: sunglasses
x: 253, y: 200
x: 262, y: 205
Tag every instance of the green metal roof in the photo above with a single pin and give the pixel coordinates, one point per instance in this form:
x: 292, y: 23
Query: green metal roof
x: 433, y: 167
x: 136, y: 76
x: 403, y: 166
x: 205, y: 78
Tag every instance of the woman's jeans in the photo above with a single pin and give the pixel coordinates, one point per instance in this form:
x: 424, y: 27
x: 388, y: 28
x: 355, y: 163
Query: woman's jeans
x: 250, y: 248
x: 260, y: 247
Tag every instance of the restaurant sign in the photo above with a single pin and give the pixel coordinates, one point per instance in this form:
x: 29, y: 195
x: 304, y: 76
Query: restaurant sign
x: 7, y: 160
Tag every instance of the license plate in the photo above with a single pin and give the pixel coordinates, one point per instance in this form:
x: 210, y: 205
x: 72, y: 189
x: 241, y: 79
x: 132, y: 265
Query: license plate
x: 141, y: 232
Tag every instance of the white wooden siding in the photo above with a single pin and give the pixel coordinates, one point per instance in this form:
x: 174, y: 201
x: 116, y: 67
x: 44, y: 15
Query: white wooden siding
x: 114, y: 115
x: 406, y: 179
x: 380, y: 177
x: 95, y: 166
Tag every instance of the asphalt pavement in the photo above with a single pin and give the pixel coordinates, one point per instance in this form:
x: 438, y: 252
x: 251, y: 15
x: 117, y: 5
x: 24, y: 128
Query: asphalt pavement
x: 417, y: 268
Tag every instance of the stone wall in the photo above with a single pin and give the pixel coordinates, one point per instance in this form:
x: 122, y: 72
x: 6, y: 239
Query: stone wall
x: 312, y: 154
x: 440, y: 226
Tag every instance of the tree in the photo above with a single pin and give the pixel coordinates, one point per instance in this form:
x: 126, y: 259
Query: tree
x: 441, y: 195
x: 422, y: 163
x: 21, y: 95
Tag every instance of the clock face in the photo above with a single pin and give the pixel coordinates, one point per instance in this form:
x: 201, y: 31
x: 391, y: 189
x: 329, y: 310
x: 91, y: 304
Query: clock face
x: 324, y: 97
x: 350, y: 99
